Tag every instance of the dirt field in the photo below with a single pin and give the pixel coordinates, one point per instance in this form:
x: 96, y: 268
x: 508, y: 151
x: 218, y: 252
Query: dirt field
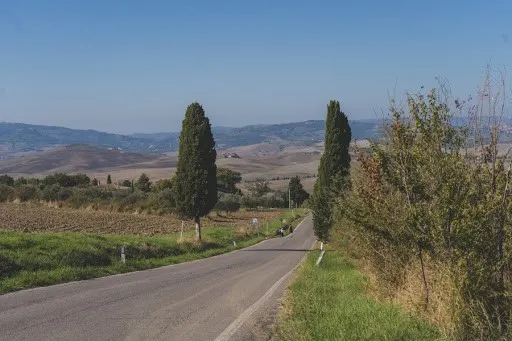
x: 39, y: 218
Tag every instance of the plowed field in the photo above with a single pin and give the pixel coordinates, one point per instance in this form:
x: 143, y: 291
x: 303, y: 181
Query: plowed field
x: 40, y: 218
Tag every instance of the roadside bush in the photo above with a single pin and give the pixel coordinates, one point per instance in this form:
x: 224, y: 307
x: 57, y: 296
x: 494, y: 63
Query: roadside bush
x: 27, y: 192
x: 432, y: 221
x: 51, y: 193
x: 6, y: 193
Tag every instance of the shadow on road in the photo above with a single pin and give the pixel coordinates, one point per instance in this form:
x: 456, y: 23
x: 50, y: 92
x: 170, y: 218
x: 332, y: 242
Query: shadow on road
x: 296, y: 250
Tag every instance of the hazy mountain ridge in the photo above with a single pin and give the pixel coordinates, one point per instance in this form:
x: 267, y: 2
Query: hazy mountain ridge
x: 20, y: 137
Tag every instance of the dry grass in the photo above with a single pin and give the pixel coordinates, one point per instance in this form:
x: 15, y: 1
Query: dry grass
x: 41, y: 218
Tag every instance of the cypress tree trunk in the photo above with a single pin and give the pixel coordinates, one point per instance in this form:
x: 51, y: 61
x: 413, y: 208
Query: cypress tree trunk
x: 197, y: 220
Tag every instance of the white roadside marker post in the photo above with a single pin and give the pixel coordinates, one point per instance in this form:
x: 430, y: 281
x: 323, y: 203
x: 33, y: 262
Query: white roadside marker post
x: 181, y: 233
x: 123, y: 257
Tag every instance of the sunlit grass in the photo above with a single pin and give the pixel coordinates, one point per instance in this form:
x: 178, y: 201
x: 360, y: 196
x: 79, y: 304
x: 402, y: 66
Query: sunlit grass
x: 37, y: 259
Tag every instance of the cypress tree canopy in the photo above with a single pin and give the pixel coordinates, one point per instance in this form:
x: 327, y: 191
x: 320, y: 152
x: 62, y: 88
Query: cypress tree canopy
x: 335, y: 161
x: 195, y: 182
x: 333, y: 169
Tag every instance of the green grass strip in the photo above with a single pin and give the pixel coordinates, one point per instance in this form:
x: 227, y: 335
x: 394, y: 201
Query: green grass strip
x: 327, y: 302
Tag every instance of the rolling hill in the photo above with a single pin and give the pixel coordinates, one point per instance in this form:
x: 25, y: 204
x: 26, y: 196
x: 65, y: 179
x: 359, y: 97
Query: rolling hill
x: 18, y: 138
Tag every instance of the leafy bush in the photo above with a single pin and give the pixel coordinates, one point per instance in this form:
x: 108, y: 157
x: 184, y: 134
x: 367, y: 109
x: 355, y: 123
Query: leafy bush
x: 228, y: 203
x: 51, y: 192
x: 27, y: 192
x: 6, y: 180
x: 134, y: 198
x: 83, y: 196
x: 6, y: 193
x: 64, y: 194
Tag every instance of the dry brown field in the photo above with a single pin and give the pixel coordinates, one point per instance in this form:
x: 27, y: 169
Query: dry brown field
x: 42, y: 218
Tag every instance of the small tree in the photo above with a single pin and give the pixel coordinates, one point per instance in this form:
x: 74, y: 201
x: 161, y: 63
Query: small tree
x: 126, y: 183
x: 297, y: 193
x: 227, y: 180
x: 94, y: 182
x: 6, y: 180
x: 109, y: 180
x: 195, y: 185
x: 27, y: 192
x: 260, y: 187
x: 143, y: 183
x: 228, y: 203
x: 162, y: 184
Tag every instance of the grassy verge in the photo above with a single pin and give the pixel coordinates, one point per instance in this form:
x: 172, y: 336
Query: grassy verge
x: 328, y: 302
x: 38, y: 259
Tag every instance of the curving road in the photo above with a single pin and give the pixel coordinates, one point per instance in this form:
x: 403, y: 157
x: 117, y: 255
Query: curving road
x: 228, y: 297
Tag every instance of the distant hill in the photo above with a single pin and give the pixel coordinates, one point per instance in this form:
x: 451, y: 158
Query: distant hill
x: 19, y: 138
x: 74, y: 158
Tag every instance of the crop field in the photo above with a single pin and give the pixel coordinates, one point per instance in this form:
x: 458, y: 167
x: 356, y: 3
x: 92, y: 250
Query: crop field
x: 41, y: 218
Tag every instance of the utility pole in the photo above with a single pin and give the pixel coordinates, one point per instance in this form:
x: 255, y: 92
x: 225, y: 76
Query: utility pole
x: 289, y: 199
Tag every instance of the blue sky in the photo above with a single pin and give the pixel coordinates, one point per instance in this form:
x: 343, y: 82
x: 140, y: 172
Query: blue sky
x: 133, y: 66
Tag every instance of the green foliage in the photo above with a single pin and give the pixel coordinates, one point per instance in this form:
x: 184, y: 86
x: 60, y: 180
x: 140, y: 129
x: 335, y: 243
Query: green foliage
x: 333, y: 170
x: 422, y: 199
x: 259, y: 188
x: 162, y: 185
x: 328, y: 302
x: 6, y: 180
x: 89, y: 195
x: 64, y: 193
x: 143, y: 184
x: 65, y: 180
x: 228, y: 203
x: 335, y: 161
x: 6, y: 193
x: 109, y: 180
x: 227, y: 180
x: 297, y: 193
x: 195, y: 187
x: 126, y: 183
x: 27, y: 192
x: 20, y: 182
x: 322, y: 213
x: 51, y: 192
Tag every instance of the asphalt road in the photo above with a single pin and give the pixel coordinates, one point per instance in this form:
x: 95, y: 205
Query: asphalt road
x: 227, y: 297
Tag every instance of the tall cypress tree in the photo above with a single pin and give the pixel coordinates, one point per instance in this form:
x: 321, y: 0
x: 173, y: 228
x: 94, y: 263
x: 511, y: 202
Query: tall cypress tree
x: 109, y: 180
x: 333, y: 169
x: 335, y: 161
x: 195, y: 182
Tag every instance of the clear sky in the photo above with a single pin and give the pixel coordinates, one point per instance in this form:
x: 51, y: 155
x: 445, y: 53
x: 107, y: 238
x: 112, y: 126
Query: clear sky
x: 133, y: 66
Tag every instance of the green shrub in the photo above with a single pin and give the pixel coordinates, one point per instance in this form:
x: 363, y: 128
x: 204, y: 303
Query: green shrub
x: 6, y: 193
x: 228, y: 203
x: 89, y: 195
x: 51, y: 192
x: 64, y: 194
x: 134, y: 198
x: 6, y: 180
x: 27, y: 192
